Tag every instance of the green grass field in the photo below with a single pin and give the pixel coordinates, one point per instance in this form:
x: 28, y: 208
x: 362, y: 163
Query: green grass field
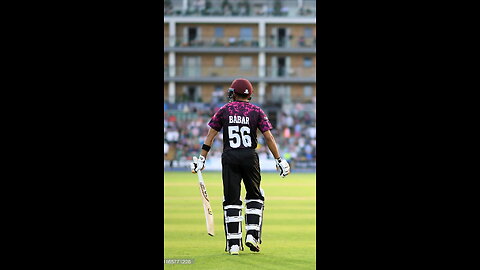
x: 288, y: 234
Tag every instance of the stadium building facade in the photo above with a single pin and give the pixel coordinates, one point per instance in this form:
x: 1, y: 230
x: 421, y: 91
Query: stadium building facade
x: 207, y: 44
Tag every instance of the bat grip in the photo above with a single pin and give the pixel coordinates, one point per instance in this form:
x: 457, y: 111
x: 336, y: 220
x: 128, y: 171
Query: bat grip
x: 200, y: 177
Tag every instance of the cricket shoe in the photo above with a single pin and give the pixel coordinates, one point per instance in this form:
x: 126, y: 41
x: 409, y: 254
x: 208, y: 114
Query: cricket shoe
x: 252, y: 243
x: 234, y: 250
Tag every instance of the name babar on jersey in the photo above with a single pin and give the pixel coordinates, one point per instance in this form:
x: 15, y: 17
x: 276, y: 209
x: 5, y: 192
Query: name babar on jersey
x: 238, y: 120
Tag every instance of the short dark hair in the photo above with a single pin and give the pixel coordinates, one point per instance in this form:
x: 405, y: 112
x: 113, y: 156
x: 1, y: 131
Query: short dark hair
x: 242, y: 95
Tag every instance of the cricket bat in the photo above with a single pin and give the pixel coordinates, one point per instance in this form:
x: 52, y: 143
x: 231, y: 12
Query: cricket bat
x: 206, y: 205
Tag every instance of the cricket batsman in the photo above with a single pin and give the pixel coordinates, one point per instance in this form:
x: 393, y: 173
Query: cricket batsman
x: 240, y: 120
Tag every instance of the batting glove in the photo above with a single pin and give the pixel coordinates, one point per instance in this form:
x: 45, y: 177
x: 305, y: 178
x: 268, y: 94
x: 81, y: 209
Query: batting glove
x: 197, y: 164
x: 283, y: 166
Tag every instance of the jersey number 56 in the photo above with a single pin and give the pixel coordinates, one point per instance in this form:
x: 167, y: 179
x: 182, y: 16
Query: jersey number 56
x: 234, y: 136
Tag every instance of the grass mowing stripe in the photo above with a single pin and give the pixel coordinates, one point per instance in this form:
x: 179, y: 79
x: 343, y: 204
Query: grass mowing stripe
x: 172, y: 216
x: 288, y: 231
x: 183, y: 184
x: 281, y: 198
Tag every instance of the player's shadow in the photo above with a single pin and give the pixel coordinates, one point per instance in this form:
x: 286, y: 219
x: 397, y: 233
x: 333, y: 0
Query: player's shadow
x: 244, y: 253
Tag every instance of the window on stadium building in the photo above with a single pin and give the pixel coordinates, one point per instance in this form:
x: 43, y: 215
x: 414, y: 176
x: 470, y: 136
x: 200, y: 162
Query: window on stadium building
x: 219, y: 32
x: 308, y: 32
x: 308, y: 91
x: 245, y: 62
x: 219, y: 61
x: 307, y: 62
x: 246, y: 33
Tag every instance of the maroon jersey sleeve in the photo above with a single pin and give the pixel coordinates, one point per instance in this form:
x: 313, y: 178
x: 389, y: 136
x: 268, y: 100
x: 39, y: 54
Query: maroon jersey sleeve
x: 216, y: 121
x: 263, y: 123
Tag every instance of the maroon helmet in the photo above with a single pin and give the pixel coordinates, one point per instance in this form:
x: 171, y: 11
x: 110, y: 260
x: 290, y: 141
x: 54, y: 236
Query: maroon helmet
x: 241, y: 86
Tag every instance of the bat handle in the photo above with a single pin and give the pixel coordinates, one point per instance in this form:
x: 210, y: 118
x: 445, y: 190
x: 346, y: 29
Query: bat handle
x: 200, y: 177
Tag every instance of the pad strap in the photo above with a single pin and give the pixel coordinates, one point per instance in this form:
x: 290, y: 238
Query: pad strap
x: 254, y: 200
x: 232, y: 207
x: 233, y: 219
x: 252, y: 227
x: 234, y: 235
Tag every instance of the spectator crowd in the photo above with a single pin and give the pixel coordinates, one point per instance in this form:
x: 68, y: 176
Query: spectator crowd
x: 185, y: 128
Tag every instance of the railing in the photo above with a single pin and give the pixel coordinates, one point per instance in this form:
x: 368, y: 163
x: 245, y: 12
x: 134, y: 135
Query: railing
x: 182, y: 116
x: 268, y: 9
x: 291, y: 42
x: 202, y: 72
x: 216, y: 42
x: 302, y: 99
x: 272, y: 41
x: 297, y: 72
x: 230, y: 71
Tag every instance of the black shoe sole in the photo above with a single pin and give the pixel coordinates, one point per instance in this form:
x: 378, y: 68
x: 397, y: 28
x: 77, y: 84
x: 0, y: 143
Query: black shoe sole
x: 252, y: 247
